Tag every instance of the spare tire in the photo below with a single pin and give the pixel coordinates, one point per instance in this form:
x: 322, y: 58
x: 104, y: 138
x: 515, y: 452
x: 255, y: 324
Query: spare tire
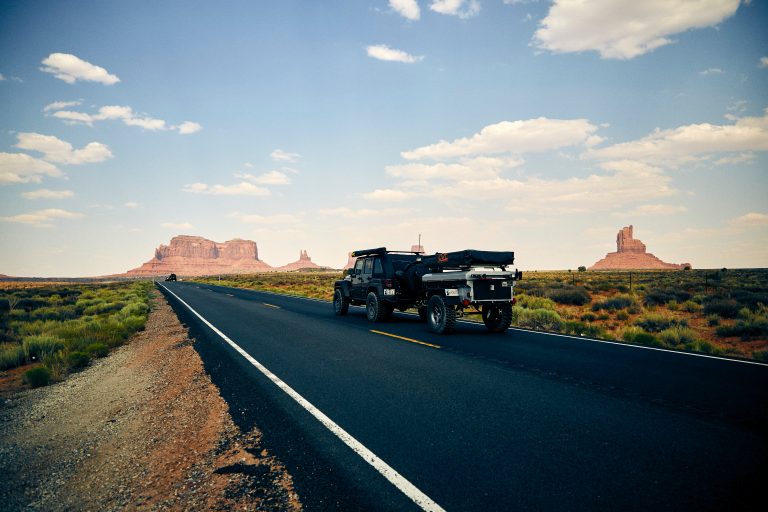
x: 412, y: 277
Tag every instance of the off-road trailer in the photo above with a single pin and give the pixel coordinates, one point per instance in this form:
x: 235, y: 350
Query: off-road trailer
x: 442, y: 287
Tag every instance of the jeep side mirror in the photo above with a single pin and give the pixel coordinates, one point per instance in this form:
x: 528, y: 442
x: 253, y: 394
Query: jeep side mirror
x: 350, y: 271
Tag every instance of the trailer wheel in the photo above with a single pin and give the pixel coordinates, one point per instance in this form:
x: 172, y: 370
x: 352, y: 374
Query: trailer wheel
x: 374, y: 309
x: 497, y: 318
x: 340, y: 302
x: 441, y: 318
x: 422, y: 313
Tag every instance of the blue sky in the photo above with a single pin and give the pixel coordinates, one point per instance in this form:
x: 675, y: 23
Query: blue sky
x: 533, y: 126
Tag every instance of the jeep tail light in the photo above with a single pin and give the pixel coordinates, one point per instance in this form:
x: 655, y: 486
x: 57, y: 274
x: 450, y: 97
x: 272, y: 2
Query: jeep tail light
x: 513, y: 301
x: 465, y: 302
x: 387, y: 283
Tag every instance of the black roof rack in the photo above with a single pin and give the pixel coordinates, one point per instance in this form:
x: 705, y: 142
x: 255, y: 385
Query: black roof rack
x: 380, y: 250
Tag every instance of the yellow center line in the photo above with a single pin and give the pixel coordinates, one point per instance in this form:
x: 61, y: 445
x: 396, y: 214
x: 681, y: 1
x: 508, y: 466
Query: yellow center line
x: 405, y: 339
x: 271, y: 305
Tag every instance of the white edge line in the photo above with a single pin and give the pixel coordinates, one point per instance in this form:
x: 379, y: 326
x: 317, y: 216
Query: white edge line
x: 395, y: 478
x: 579, y: 338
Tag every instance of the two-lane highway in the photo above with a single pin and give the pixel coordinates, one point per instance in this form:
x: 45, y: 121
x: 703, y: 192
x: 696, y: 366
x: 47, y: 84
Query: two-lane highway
x: 476, y: 421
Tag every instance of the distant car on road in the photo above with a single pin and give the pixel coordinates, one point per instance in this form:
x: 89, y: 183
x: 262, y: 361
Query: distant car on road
x: 171, y: 277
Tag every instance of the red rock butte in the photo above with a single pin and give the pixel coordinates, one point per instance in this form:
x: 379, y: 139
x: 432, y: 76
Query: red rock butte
x: 303, y: 263
x: 196, y: 256
x: 630, y: 255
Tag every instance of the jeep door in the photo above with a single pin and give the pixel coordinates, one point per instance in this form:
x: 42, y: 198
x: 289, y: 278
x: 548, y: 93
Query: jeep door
x: 358, y: 288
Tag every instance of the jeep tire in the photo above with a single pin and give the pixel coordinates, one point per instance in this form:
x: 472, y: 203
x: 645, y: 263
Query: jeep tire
x: 497, y: 317
x: 441, y: 318
x: 340, y: 302
x: 374, y: 309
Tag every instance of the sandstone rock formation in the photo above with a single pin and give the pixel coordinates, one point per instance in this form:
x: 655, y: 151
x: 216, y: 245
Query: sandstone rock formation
x: 630, y: 255
x: 304, y: 262
x: 196, y: 256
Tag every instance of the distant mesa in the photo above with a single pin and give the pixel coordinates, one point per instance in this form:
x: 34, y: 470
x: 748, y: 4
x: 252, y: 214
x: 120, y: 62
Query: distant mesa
x: 630, y: 255
x: 196, y: 256
x: 303, y: 263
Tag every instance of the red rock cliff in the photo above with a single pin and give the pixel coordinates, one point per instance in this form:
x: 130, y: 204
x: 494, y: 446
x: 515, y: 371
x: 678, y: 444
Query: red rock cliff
x: 630, y: 255
x: 195, y: 255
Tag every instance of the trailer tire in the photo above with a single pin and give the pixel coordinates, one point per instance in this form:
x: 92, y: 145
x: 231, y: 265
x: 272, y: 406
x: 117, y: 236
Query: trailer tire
x: 497, y: 317
x: 374, y: 309
x: 441, y: 318
x: 340, y: 302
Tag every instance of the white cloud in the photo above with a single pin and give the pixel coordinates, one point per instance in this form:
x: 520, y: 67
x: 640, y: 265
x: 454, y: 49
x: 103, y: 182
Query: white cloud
x: 751, y: 220
x: 59, y: 151
x: 268, y: 178
x: 45, y: 193
x: 711, y: 71
x: 271, y: 220
x: 279, y: 155
x: 238, y: 189
x: 59, y: 105
x: 654, y: 209
x: 127, y: 116
x: 743, y: 158
x: 2, y: 78
x: 406, y: 8
x: 177, y: 225
x: 461, y: 8
x: 188, y: 127
x: 532, y: 135
x: 691, y: 142
x: 22, y: 168
x: 131, y: 204
x: 348, y: 213
x: 384, y: 52
x: 624, y: 29
x: 389, y: 194
x: 763, y: 62
x: 475, y: 168
x: 42, y: 218
x: 70, y: 68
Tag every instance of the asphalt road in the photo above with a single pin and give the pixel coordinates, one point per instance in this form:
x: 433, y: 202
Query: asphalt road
x: 479, y: 421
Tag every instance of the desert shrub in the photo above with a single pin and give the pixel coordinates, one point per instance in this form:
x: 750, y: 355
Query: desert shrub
x: 750, y: 299
x: 134, y: 309
x: 673, y: 305
x: 37, y: 377
x: 77, y: 360
x: 713, y: 320
x: 582, y: 329
x: 103, y: 308
x: 541, y: 319
x: 588, y: 317
x: 575, y: 295
x: 703, y: 346
x: 760, y: 355
x: 97, y: 350
x: 750, y: 325
x: 57, y: 364
x: 724, y: 308
x: 36, y: 348
x: 11, y: 355
x: 678, y: 335
x: 531, y: 302
x: 616, y: 302
x: 638, y: 335
x: 622, y: 315
x: 661, y: 296
x: 691, y: 307
x: 655, y: 322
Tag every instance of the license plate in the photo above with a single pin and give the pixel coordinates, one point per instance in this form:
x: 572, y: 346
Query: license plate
x: 451, y: 292
x: 389, y: 291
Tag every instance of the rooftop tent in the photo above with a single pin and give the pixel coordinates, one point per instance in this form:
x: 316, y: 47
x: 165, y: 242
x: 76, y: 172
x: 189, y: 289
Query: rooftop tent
x: 468, y: 258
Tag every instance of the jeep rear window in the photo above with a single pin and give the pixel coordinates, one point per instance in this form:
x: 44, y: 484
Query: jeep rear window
x: 368, y: 265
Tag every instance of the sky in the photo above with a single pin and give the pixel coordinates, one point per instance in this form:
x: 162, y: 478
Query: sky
x: 533, y: 126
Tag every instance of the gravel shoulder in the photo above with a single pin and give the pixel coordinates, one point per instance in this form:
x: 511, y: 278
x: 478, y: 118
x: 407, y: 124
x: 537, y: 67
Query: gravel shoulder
x: 144, y: 428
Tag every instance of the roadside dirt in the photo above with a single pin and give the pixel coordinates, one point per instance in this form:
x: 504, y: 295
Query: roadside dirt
x: 143, y: 429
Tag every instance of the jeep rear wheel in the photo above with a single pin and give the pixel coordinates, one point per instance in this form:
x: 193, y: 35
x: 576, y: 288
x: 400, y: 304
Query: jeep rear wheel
x: 374, y: 309
x: 441, y: 318
x: 340, y: 302
x: 497, y: 317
